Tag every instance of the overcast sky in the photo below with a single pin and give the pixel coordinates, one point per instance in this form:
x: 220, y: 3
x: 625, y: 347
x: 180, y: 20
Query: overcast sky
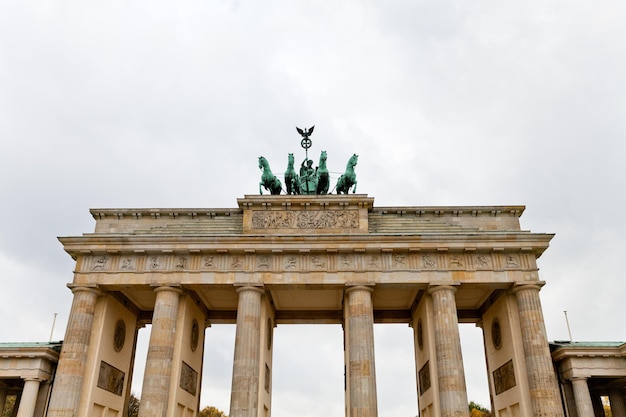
x: 161, y: 104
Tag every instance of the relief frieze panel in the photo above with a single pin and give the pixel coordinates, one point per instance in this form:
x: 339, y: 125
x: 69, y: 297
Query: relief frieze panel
x: 328, y: 219
x: 307, y: 261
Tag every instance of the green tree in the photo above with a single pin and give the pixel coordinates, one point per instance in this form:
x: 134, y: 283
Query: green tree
x: 211, y: 411
x: 8, y: 406
x: 133, y: 406
x: 477, y: 410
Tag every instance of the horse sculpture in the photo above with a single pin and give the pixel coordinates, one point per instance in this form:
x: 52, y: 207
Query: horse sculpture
x: 323, y: 176
x: 292, y: 180
x: 268, y: 180
x: 348, y: 178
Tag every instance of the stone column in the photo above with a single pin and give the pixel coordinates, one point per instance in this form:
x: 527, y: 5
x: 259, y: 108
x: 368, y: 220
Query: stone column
x: 29, y: 397
x: 244, y: 395
x: 3, y: 399
x: 70, y: 373
x: 544, y: 391
x: 584, y: 406
x: 158, y: 373
x: 616, y: 398
x: 359, y: 316
x: 451, y: 375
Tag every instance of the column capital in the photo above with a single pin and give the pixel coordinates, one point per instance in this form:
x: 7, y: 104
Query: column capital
x: 173, y: 288
x: 351, y: 288
x: 75, y: 288
x: 243, y: 288
x: 435, y: 288
x: 578, y: 378
x: 34, y: 378
x: 523, y: 286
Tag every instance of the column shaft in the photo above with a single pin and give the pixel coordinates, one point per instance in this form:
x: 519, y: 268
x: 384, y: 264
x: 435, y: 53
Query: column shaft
x: 451, y: 375
x: 544, y: 391
x: 29, y: 398
x: 361, y: 368
x: 616, y: 398
x: 68, y: 383
x: 584, y: 406
x: 244, y: 399
x: 3, y: 400
x: 158, y: 372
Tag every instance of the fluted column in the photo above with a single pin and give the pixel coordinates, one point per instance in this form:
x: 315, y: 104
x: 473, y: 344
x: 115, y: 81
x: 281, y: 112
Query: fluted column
x: 451, y: 375
x: 584, y: 406
x: 544, y: 391
x: 359, y: 314
x: 244, y: 396
x: 70, y: 373
x: 616, y: 398
x: 29, y: 397
x: 3, y: 399
x: 158, y: 373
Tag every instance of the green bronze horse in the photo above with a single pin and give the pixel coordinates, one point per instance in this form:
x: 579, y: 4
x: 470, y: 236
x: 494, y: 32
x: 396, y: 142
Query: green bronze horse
x: 292, y: 180
x: 348, y: 178
x: 268, y: 180
x: 323, y: 176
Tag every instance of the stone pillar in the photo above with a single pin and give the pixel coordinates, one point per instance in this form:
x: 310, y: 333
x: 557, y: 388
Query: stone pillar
x: 3, y: 399
x: 244, y: 396
x: 616, y: 398
x: 544, y: 391
x: 361, y: 370
x: 451, y: 375
x: 158, y: 372
x: 70, y: 373
x: 29, y: 397
x: 584, y: 407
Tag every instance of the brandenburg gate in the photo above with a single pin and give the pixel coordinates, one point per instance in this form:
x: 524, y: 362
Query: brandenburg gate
x: 280, y: 259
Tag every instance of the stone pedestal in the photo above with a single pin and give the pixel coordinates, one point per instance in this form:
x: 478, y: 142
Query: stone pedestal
x: 244, y: 399
x: 452, y: 391
x: 70, y: 375
x: 360, y: 369
x: 584, y: 406
x: 29, y: 398
x: 158, y: 373
x: 544, y: 392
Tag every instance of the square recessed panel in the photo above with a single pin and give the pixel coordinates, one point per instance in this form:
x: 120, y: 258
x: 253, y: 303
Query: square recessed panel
x: 219, y: 299
x: 307, y: 299
x: 394, y: 299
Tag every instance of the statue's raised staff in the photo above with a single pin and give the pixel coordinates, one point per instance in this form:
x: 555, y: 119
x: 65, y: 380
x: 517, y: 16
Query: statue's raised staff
x: 348, y: 178
x: 268, y: 180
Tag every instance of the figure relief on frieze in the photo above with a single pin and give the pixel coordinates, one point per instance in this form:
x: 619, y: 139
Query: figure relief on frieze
x: 511, y: 261
x: 100, y: 263
x: 127, y: 264
x: 291, y: 262
x: 318, y: 261
x: 429, y: 261
x: 182, y: 262
x: 482, y: 261
x: 456, y: 261
x: 208, y: 262
x: 154, y: 263
x: 263, y: 262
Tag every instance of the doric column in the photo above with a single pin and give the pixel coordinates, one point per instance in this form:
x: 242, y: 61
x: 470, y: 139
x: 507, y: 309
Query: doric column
x: 29, y: 397
x: 3, y: 399
x: 244, y: 396
x: 361, y: 370
x: 70, y: 373
x: 544, y: 391
x: 451, y: 382
x: 158, y: 373
x: 584, y: 407
x: 616, y: 398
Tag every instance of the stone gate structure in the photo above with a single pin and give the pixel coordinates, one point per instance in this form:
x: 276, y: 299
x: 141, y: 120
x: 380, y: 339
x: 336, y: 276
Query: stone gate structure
x: 303, y: 259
